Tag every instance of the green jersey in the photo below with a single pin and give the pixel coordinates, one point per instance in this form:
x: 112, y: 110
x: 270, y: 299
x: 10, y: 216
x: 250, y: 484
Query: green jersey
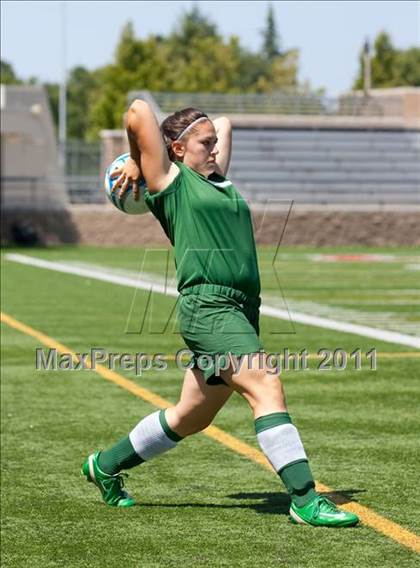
x: 209, y: 224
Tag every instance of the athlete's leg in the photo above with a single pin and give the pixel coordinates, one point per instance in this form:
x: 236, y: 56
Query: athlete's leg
x: 160, y: 431
x: 198, y: 404
x: 155, y: 434
x: 277, y: 436
x: 280, y: 441
x: 261, y: 387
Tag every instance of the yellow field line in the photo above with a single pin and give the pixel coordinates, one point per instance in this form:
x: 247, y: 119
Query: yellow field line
x: 368, y: 517
x: 379, y: 355
x: 398, y: 355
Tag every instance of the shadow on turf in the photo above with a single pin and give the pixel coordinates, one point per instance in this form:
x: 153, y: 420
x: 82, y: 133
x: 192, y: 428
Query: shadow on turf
x: 279, y: 503
x: 273, y: 503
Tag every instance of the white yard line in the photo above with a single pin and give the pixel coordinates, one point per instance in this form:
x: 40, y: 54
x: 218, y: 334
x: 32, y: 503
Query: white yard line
x: 390, y: 320
x: 296, y: 317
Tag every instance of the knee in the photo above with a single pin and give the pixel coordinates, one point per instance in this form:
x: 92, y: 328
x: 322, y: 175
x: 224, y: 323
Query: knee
x: 262, y: 380
x: 263, y: 387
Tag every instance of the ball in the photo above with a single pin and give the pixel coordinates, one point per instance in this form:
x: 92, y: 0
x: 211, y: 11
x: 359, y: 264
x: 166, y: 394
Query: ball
x: 126, y: 203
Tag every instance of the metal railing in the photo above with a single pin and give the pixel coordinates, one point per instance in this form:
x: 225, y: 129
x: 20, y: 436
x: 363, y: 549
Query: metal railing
x: 82, y: 158
x: 85, y: 189
x: 50, y: 192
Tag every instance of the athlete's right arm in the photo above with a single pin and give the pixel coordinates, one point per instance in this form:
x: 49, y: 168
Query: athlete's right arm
x: 147, y: 148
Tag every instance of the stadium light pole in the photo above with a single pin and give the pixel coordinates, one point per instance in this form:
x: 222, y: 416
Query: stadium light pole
x: 366, y: 68
x: 62, y: 105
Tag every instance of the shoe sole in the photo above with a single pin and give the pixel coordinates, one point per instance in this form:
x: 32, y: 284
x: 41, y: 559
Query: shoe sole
x: 89, y: 474
x: 92, y: 469
x: 295, y: 519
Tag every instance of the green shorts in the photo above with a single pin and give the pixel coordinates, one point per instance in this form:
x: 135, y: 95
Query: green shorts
x: 216, y: 321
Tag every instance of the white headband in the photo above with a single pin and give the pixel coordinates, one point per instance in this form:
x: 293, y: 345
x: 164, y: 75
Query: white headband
x: 194, y: 122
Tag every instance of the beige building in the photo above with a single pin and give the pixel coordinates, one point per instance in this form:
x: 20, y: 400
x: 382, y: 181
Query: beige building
x: 30, y: 172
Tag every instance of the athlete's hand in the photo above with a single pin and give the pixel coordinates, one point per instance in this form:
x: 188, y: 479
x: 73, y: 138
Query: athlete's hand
x: 127, y: 176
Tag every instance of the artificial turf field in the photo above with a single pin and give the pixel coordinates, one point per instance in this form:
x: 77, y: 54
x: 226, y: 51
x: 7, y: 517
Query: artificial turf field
x: 204, y: 504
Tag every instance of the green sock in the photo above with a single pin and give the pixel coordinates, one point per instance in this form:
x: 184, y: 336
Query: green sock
x: 121, y: 456
x: 297, y: 477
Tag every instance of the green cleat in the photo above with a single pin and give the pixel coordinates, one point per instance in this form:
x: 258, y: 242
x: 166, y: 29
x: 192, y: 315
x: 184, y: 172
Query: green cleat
x: 110, y: 486
x: 321, y: 512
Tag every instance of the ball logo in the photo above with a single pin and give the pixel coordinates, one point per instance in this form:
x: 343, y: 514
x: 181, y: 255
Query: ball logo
x: 126, y: 203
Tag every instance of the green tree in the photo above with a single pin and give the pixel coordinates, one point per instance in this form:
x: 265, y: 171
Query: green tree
x: 138, y: 64
x: 53, y: 93
x: 194, y: 25
x: 407, y: 68
x: 129, y: 54
x: 81, y: 89
x: 80, y: 92
x: 284, y: 70
x: 8, y: 75
x: 383, y: 63
x: 271, y: 40
x: 390, y: 67
x: 192, y: 58
x: 192, y: 37
x: 277, y: 69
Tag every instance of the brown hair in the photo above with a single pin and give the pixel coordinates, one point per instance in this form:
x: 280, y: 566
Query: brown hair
x: 174, y: 124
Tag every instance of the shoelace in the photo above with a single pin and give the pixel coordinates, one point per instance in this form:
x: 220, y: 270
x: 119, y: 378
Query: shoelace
x: 119, y: 478
x: 328, y: 505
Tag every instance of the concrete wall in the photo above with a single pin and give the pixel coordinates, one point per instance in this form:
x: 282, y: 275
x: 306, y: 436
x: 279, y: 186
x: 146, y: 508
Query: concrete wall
x: 29, y: 156
x: 399, y: 102
x: 113, y: 144
x: 107, y: 226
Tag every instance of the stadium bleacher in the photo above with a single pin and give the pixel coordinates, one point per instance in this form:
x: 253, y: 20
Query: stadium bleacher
x: 321, y: 166
x: 353, y: 150
x: 302, y: 147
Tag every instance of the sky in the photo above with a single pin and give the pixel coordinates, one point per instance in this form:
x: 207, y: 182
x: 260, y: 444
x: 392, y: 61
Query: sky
x: 329, y: 35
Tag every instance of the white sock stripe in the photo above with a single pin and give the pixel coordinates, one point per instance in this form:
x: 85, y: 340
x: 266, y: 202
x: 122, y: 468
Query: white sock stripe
x: 281, y: 445
x: 149, y: 439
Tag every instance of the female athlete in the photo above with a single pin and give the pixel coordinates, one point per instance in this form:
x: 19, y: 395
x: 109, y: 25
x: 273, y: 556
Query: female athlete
x: 185, y: 165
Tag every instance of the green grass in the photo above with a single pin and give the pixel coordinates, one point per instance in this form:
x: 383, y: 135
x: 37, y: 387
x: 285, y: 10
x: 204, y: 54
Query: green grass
x: 202, y: 504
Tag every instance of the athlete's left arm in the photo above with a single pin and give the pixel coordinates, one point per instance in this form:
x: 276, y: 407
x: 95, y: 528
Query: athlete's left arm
x: 223, y: 128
